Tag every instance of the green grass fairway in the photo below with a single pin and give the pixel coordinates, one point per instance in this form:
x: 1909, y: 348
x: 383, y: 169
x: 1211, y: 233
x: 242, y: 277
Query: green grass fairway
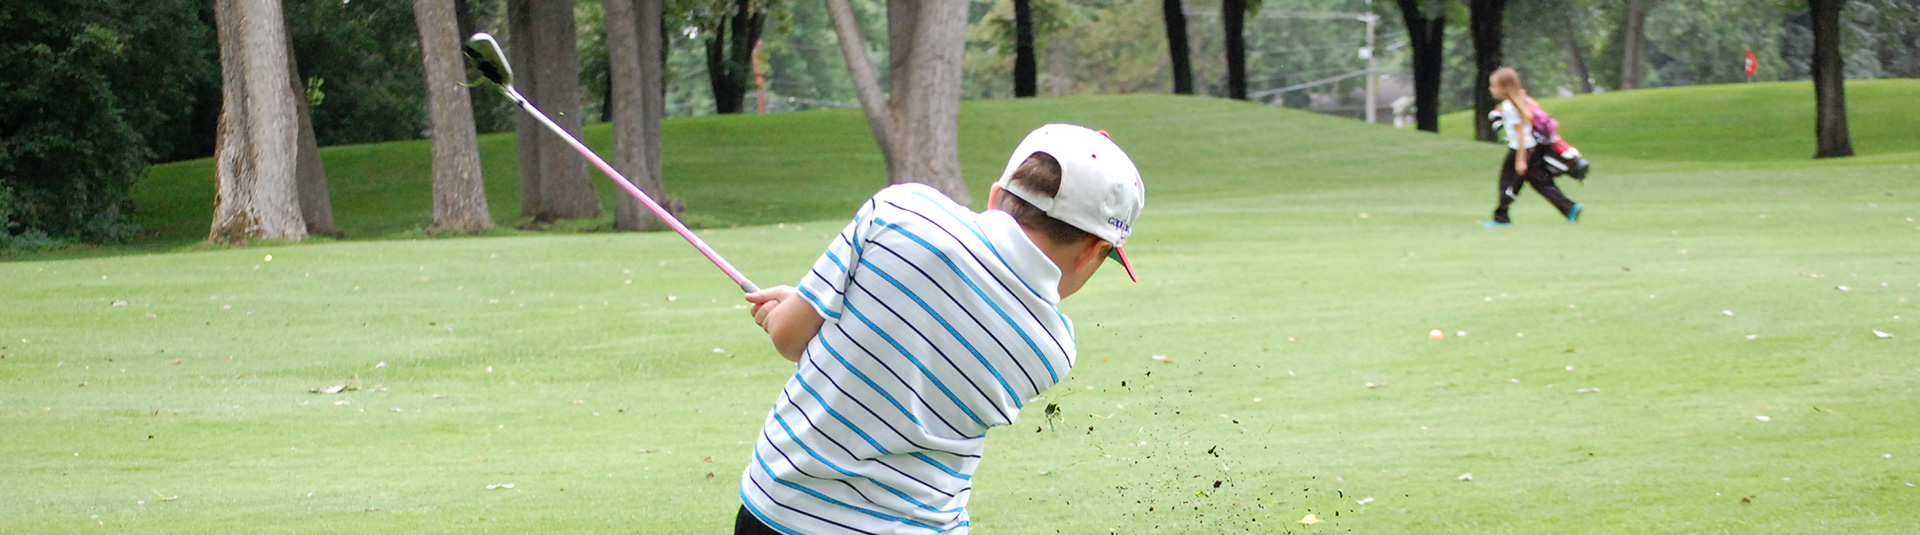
x: 1697, y: 355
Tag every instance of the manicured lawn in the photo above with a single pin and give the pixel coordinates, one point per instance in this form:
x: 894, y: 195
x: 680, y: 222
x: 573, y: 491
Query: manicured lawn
x: 1603, y: 377
x: 1753, y: 123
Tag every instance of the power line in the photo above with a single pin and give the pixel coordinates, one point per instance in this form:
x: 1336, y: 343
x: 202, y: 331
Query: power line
x: 1308, y: 85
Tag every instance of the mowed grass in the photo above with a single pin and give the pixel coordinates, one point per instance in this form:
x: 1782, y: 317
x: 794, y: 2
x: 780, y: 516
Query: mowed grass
x: 1288, y: 262
x: 1745, y: 123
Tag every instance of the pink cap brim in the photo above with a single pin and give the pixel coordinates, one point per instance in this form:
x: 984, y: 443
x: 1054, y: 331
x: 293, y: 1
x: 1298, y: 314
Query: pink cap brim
x: 1121, y: 255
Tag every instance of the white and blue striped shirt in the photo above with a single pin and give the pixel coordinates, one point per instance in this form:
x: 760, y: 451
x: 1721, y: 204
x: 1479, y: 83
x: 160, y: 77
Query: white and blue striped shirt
x: 939, y: 324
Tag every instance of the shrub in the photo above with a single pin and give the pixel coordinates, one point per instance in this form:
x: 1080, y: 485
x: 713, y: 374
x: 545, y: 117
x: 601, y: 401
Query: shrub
x: 92, y: 91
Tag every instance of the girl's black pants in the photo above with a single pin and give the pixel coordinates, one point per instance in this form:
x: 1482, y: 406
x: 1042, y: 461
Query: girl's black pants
x: 1511, y: 183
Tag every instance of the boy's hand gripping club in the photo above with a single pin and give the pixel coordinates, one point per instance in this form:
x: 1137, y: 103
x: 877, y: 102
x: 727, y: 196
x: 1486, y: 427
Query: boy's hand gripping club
x: 492, y: 63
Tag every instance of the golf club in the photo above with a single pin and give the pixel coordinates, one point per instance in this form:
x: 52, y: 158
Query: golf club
x: 492, y: 63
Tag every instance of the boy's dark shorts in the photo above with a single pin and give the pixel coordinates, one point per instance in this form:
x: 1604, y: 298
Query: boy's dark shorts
x: 745, y: 523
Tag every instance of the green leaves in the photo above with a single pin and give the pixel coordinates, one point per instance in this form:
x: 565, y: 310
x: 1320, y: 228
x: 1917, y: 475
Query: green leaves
x: 90, y: 90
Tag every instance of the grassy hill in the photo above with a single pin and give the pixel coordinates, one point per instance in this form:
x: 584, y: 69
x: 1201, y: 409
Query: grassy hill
x: 817, y: 163
x: 1698, y: 355
x: 1767, y: 122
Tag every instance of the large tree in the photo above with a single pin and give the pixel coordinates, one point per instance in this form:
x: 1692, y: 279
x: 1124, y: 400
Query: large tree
x: 256, y: 195
x: 1233, y: 21
x: 309, y: 173
x: 637, y: 104
x: 1426, y: 23
x: 731, y: 38
x: 1486, y: 22
x: 459, y: 194
x: 1829, y: 78
x: 1179, y: 50
x: 553, y: 180
x: 918, y: 126
x: 527, y: 130
x: 1633, y: 47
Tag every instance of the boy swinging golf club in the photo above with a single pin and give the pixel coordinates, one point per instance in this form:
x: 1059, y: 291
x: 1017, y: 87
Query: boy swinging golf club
x: 922, y: 326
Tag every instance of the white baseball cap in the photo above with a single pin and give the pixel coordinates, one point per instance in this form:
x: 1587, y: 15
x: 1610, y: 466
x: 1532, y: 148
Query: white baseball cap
x: 1100, y: 190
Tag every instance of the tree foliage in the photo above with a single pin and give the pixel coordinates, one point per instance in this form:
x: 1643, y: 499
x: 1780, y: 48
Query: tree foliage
x: 803, y: 61
x: 998, y: 32
x: 1537, y: 34
x: 1882, y: 39
x: 95, y: 90
x: 1286, y: 49
x: 1096, y: 46
x: 364, y: 58
x: 802, y: 66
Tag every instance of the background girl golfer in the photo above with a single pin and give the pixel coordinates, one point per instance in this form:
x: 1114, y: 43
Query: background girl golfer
x: 1523, y: 163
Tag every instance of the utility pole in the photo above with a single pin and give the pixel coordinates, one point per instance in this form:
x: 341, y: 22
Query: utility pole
x: 1373, y: 78
x: 1373, y: 87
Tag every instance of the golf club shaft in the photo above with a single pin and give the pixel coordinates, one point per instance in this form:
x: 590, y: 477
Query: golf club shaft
x: 745, y: 285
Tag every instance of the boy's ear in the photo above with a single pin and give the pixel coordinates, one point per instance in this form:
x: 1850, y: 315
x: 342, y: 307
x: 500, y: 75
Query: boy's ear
x: 1094, y: 251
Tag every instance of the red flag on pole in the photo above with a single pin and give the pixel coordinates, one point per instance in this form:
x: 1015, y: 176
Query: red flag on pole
x: 1753, y: 64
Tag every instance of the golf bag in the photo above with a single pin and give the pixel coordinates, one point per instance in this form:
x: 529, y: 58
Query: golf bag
x: 1562, y: 158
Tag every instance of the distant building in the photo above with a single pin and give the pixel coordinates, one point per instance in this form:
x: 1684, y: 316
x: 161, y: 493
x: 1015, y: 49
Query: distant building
x: 1352, y: 103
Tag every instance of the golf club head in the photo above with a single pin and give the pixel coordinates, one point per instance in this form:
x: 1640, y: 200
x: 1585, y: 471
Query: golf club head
x: 488, y: 59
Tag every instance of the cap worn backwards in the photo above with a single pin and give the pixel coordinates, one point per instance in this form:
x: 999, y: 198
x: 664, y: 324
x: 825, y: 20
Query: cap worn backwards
x: 1100, y: 189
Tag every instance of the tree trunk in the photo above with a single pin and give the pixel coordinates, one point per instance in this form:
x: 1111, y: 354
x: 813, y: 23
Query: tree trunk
x: 634, y: 69
x: 866, y: 83
x: 1633, y: 48
x: 566, y: 192
x: 730, y: 56
x: 310, y: 174
x: 727, y: 95
x: 918, y: 128
x: 901, y: 16
x: 653, y: 37
x: 927, y: 42
x: 463, y: 19
x: 1427, y: 36
x: 1829, y: 78
x: 1233, y: 18
x: 459, y: 194
x: 233, y: 163
x: 257, y: 196
x: 1486, y: 19
x: 1576, y: 61
x: 1178, y: 48
x: 1025, y: 73
x: 606, y: 97
x: 527, y: 130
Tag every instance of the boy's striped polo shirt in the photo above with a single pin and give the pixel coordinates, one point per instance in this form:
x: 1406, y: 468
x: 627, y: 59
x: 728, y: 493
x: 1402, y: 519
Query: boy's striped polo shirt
x: 939, y: 324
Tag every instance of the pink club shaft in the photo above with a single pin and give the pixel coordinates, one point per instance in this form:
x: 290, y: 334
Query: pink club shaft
x: 745, y: 285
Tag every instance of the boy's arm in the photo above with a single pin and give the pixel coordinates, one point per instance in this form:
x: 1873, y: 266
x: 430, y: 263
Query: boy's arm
x: 793, y: 316
x: 788, y: 319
